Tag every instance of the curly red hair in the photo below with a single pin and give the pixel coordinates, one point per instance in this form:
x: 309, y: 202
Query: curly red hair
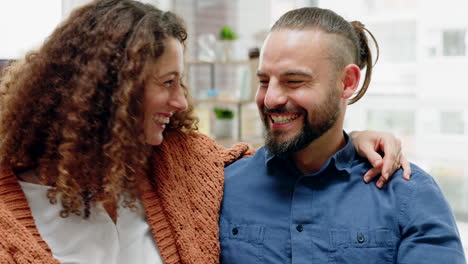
x: 74, y: 107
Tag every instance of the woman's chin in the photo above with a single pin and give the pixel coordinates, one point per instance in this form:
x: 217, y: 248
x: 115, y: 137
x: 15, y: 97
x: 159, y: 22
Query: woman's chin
x: 155, y: 140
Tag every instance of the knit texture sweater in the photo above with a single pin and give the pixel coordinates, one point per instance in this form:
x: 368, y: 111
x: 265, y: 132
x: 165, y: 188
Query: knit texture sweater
x: 182, y: 198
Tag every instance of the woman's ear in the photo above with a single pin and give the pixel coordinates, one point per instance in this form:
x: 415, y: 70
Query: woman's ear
x: 350, y: 80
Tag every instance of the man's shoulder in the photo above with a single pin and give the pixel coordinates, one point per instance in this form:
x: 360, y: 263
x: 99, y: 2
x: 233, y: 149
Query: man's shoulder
x: 418, y: 174
x: 424, y: 214
x: 418, y: 177
x: 398, y: 190
x: 422, y: 184
x: 246, y: 164
x: 418, y: 194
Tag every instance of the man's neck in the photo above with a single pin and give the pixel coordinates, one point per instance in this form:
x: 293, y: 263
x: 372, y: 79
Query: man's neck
x: 314, y: 156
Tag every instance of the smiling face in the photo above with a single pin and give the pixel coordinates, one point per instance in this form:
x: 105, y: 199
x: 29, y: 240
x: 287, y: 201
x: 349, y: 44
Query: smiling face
x: 164, y: 94
x: 299, y: 97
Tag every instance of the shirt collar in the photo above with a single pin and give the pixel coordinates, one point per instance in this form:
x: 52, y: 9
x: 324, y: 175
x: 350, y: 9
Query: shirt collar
x: 341, y: 160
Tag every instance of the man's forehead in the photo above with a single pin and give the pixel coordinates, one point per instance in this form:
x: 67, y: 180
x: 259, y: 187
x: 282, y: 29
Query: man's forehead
x: 289, y: 43
x: 298, y: 36
x: 293, y: 50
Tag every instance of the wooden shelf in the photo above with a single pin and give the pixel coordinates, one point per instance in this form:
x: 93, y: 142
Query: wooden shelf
x: 237, y: 103
x: 247, y: 82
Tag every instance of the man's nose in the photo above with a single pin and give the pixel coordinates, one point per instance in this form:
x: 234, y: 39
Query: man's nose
x: 275, y: 95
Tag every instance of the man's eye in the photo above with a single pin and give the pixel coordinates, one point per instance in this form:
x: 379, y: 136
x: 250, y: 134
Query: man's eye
x: 263, y: 82
x: 294, y: 83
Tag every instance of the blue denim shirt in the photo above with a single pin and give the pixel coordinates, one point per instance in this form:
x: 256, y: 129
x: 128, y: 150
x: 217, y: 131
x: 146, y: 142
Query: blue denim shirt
x: 272, y: 213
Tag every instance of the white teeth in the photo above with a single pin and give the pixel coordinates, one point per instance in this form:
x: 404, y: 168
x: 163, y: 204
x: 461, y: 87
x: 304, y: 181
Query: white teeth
x: 281, y: 119
x: 161, y: 119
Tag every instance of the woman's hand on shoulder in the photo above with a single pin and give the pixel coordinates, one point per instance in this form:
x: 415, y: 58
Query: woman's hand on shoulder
x: 384, y: 152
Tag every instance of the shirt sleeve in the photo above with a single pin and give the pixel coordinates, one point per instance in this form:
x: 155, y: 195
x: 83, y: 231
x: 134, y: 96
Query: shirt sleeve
x: 428, y: 229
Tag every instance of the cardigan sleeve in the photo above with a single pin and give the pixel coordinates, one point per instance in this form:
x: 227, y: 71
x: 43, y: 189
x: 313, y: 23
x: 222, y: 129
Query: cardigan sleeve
x: 203, y: 144
x: 5, y: 257
x: 236, y: 152
x: 17, y: 245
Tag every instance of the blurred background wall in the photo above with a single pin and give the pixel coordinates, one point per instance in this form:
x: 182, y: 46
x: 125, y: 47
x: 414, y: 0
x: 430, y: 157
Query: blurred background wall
x: 419, y: 90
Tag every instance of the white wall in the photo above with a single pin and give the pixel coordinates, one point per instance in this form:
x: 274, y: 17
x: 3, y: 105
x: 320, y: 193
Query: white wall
x: 24, y: 24
x: 69, y: 5
x: 253, y: 18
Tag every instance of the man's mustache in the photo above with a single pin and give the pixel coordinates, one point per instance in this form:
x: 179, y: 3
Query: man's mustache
x: 279, y: 110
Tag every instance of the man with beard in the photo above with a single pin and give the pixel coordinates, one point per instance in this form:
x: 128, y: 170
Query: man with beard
x: 301, y: 198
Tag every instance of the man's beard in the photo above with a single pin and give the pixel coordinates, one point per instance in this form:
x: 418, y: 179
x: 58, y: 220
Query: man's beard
x: 324, y: 117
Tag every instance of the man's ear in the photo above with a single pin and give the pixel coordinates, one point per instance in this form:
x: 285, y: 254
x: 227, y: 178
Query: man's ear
x: 350, y: 80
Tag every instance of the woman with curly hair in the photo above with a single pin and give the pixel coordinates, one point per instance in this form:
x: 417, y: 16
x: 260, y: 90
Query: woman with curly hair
x: 84, y: 177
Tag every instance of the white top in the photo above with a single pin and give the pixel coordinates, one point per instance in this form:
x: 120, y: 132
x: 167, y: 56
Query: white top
x: 96, y: 239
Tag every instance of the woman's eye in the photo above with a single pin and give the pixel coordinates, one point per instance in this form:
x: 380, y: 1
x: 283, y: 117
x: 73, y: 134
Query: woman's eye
x: 168, y: 83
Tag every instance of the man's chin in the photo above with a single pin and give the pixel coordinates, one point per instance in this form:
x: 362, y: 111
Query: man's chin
x: 279, y: 145
x: 279, y: 139
x: 282, y: 136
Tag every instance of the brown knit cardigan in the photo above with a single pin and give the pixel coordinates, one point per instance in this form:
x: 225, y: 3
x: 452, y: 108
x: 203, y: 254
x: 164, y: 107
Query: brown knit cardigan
x: 182, y: 199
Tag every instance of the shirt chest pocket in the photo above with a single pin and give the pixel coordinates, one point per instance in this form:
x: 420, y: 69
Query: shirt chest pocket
x: 241, y: 243
x: 362, y: 246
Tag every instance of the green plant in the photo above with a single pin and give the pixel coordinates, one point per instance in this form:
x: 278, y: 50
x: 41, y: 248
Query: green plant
x: 223, y: 113
x: 226, y: 33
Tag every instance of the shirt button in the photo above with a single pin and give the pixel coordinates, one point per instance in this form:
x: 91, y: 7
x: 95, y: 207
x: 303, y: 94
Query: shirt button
x: 235, y: 231
x: 299, y: 228
x: 361, y: 238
